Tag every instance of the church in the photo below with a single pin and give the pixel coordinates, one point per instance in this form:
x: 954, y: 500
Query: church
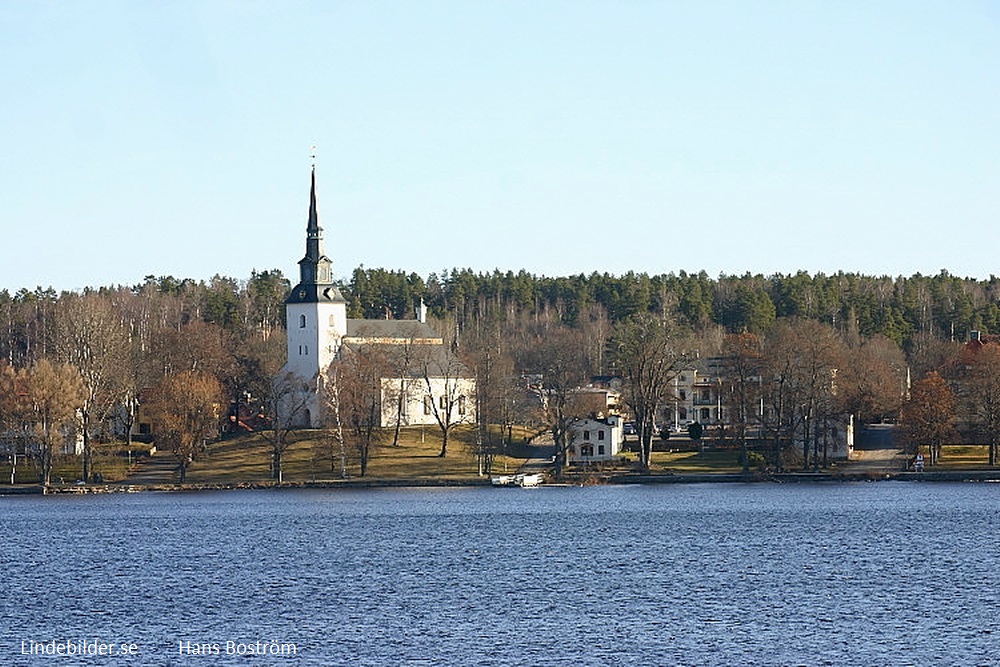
x: 426, y: 383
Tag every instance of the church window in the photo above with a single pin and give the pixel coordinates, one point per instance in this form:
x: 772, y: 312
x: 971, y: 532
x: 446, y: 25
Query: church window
x: 333, y: 321
x: 461, y: 405
x: 443, y: 402
x: 302, y: 321
x: 428, y: 405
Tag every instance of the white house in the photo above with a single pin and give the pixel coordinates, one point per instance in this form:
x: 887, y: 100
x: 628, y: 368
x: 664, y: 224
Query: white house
x: 432, y: 386
x: 593, y: 440
x: 427, y: 376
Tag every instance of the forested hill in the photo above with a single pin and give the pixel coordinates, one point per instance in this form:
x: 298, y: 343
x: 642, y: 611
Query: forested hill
x: 943, y: 306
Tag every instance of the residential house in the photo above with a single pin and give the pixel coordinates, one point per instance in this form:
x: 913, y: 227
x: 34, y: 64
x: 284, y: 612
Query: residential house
x: 595, y: 439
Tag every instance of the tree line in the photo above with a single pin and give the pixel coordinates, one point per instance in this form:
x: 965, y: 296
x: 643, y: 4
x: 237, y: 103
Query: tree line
x: 90, y: 356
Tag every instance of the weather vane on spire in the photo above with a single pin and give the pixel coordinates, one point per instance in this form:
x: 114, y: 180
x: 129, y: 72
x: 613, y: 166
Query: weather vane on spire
x: 312, y: 154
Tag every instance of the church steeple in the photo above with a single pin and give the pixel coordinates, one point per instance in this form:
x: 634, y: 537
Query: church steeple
x: 315, y: 273
x: 315, y: 266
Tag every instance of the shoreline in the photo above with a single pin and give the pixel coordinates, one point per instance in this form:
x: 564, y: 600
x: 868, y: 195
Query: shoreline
x: 610, y: 479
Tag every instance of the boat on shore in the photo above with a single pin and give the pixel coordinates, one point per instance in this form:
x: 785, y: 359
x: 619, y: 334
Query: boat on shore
x: 519, y: 479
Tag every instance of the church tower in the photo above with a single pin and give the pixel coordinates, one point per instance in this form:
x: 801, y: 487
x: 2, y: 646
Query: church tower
x: 315, y: 315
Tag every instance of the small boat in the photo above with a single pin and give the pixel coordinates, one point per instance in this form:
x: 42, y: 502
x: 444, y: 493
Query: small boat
x: 503, y: 480
x: 530, y: 479
x: 520, y: 479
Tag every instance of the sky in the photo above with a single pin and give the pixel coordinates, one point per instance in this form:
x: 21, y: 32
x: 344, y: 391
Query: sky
x: 557, y: 137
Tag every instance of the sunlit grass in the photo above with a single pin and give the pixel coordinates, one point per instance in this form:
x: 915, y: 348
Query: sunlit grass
x: 695, y: 462
x: 313, y: 457
x: 963, y: 457
x: 109, y: 460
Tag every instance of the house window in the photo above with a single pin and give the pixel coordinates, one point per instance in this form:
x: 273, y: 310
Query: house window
x: 586, y: 435
x: 600, y: 450
x: 600, y: 436
x: 704, y: 414
x: 428, y: 405
x: 586, y: 450
x: 705, y: 394
x: 684, y: 394
x: 302, y: 321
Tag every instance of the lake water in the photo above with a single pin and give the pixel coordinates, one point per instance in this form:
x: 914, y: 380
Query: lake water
x: 886, y: 573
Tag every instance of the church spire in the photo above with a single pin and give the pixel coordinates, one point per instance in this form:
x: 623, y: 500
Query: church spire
x: 315, y: 273
x: 314, y: 233
x: 314, y: 268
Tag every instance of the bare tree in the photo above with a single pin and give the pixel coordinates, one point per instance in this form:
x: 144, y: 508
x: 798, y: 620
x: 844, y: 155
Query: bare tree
x: 11, y: 414
x: 53, y: 393
x: 648, y: 353
x: 487, y: 352
x: 399, y: 362
x: 803, y: 359
x: 980, y: 392
x: 872, y: 384
x: 928, y: 417
x: 354, y: 388
x: 558, y: 356
x: 743, y: 366
x: 447, y: 390
x: 335, y: 434
x: 186, y: 414
x: 91, y: 336
x: 289, y: 399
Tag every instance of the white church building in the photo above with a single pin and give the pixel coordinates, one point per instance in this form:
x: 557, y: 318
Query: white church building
x: 430, y: 381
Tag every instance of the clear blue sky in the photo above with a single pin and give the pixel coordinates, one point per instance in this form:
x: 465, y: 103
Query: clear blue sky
x: 557, y: 137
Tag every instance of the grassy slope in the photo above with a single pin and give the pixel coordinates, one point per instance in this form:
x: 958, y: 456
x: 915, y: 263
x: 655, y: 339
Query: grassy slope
x: 312, y: 457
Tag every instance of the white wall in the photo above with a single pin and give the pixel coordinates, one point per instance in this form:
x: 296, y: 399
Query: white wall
x: 415, y: 391
x: 595, y: 433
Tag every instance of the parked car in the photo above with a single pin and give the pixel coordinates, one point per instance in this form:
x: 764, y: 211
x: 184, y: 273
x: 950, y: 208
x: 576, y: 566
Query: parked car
x: 628, y: 428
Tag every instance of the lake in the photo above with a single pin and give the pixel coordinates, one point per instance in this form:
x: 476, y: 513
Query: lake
x: 887, y: 573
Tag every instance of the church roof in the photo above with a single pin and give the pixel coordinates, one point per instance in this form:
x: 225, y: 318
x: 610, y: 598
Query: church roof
x: 389, y: 331
x: 437, y: 361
